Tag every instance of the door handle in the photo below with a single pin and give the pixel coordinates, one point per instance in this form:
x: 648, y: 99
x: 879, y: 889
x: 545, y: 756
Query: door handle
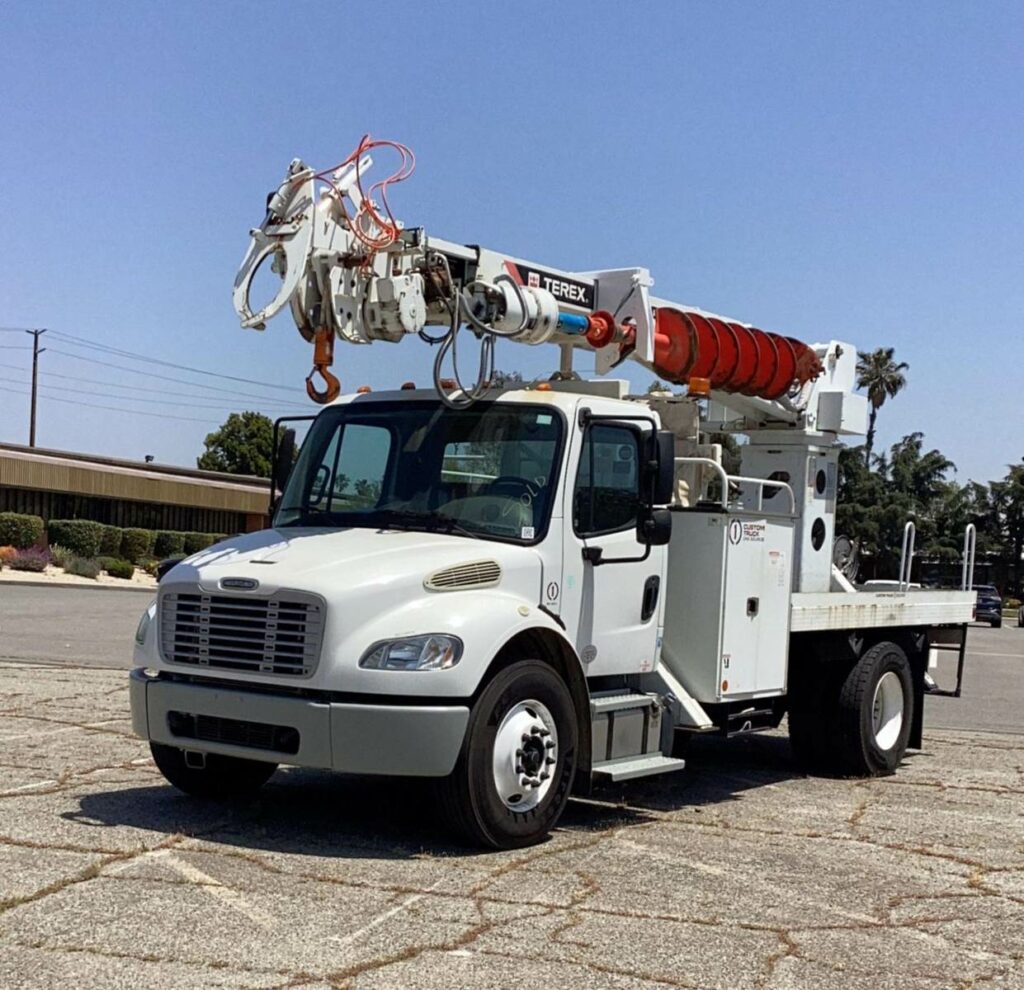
x: 650, y: 599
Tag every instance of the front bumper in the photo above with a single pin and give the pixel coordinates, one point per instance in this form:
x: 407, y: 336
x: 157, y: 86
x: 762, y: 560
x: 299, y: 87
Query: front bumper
x: 394, y: 740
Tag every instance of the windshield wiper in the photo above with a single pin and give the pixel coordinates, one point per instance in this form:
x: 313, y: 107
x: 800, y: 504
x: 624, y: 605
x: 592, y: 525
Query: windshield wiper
x: 415, y: 519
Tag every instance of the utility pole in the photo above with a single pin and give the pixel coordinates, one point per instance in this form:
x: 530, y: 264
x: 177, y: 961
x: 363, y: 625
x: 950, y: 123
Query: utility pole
x: 36, y: 334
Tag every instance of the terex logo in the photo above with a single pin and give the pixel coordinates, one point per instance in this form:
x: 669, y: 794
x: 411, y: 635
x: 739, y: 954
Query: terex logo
x: 562, y: 287
x: 239, y: 584
x: 572, y: 292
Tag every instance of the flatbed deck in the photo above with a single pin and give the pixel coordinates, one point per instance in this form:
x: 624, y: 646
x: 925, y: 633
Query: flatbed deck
x: 823, y: 611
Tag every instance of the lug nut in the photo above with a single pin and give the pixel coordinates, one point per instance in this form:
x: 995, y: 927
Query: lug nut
x: 550, y: 761
x: 545, y: 775
x: 550, y: 744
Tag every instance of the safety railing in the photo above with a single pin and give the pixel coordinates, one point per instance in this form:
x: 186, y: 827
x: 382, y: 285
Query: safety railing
x: 907, y: 554
x: 967, y: 569
x: 759, y: 483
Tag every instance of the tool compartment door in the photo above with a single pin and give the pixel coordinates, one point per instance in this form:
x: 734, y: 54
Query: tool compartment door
x: 726, y: 631
x: 755, y: 627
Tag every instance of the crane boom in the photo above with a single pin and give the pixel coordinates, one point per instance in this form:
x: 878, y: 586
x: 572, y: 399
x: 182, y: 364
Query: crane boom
x: 351, y: 272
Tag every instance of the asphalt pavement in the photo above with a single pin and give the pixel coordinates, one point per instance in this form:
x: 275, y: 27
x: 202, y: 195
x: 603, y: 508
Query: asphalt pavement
x: 739, y: 872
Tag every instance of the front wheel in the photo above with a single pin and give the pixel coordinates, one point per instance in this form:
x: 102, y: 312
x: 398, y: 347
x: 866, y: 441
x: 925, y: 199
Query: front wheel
x: 216, y: 776
x: 518, y: 760
x: 876, y: 706
x: 997, y: 623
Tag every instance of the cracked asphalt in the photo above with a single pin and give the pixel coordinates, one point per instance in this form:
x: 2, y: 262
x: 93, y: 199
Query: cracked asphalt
x: 739, y: 872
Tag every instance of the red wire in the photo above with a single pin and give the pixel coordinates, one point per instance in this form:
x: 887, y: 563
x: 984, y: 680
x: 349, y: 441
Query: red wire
x: 388, y: 228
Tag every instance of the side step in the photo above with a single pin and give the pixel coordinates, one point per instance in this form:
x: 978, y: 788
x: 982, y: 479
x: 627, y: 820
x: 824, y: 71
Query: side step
x: 636, y: 766
x: 627, y: 729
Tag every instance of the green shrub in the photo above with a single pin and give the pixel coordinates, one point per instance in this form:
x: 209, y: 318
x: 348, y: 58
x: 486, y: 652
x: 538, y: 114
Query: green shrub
x: 20, y: 531
x: 119, y: 568
x: 168, y: 544
x: 136, y: 544
x: 194, y: 542
x: 80, y: 536
x: 149, y: 565
x: 110, y: 541
x: 82, y: 567
x: 60, y: 555
x: 1011, y: 604
x: 32, y: 559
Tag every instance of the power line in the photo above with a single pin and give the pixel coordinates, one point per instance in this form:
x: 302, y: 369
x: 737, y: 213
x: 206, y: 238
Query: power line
x: 147, y: 389
x: 120, y: 409
x: 127, y: 398
x: 153, y: 374
x: 83, y: 342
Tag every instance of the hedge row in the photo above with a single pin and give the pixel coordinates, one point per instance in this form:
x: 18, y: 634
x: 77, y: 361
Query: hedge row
x: 85, y: 538
x: 20, y: 531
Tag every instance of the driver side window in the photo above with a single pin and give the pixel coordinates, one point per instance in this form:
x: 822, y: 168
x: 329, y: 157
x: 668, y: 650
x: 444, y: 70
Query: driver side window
x: 606, y: 498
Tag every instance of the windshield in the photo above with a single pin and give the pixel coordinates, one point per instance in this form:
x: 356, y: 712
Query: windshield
x: 489, y: 471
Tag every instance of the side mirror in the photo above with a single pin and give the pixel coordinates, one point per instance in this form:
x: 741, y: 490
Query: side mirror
x: 284, y: 458
x: 654, y: 527
x: 165, y: 565
x: 664, y: 466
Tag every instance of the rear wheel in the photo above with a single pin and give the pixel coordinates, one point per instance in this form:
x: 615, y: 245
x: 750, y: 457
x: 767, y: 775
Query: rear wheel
x: 518, y: 760
x: 876, y: 707
x: 211, y: 775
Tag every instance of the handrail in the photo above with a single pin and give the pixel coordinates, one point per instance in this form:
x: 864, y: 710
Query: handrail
x: 761, y: 483
x: 970, y: 545
x: 907, y: 558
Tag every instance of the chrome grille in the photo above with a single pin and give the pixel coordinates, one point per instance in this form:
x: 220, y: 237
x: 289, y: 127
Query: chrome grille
x: 281, y: 634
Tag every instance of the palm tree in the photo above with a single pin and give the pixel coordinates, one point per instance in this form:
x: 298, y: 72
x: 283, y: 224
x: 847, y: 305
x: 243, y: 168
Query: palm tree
x: 883, y: 378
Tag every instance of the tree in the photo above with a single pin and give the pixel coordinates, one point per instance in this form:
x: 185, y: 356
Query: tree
x: 241, y: 446
x: 1008, y: 503
x: 883, y: 378
x: 660, y: 386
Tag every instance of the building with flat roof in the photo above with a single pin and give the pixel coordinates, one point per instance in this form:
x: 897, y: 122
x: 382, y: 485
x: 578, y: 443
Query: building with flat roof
x: 58, y: 484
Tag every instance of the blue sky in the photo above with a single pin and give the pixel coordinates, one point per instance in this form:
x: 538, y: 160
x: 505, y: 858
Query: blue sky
x: 824, y: 170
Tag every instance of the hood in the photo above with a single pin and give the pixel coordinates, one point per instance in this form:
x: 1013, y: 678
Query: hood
x: 330, y: 562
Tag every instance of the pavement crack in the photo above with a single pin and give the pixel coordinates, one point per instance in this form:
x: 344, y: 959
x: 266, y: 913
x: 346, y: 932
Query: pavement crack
x: 90, y: 872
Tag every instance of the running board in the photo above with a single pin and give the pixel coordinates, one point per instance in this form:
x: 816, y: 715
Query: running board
x: 637, y: 766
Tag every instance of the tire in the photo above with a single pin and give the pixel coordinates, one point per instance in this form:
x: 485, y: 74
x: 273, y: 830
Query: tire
x: 526, y: 696
x: 997, y: 623
x: 876, y: 708
x: 223, y: 777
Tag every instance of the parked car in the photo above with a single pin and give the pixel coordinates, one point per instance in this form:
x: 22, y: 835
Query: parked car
x: 990, y: 605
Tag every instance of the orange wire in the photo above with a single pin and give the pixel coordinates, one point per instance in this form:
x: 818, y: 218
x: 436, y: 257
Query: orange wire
x: 388, y: 228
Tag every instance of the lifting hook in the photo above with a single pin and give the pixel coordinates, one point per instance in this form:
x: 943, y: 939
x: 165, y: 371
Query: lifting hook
x: 323, y: 358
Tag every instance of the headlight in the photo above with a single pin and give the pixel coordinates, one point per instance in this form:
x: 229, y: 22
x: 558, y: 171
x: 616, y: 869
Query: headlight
x: 147, y: 618
x: 435, y: 651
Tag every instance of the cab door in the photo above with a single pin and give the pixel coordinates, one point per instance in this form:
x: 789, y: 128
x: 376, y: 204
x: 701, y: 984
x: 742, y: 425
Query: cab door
x: 613, y: 584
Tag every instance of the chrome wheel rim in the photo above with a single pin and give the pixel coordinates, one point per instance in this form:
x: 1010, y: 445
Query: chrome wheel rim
x: 525, y: 755
x: 887, y: 710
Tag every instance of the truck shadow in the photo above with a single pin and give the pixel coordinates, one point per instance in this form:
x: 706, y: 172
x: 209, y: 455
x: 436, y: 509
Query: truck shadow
x: 315, y: 813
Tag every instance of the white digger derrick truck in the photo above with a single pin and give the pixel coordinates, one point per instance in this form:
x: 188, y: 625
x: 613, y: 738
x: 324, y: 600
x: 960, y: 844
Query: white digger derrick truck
x: 522, y: 590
